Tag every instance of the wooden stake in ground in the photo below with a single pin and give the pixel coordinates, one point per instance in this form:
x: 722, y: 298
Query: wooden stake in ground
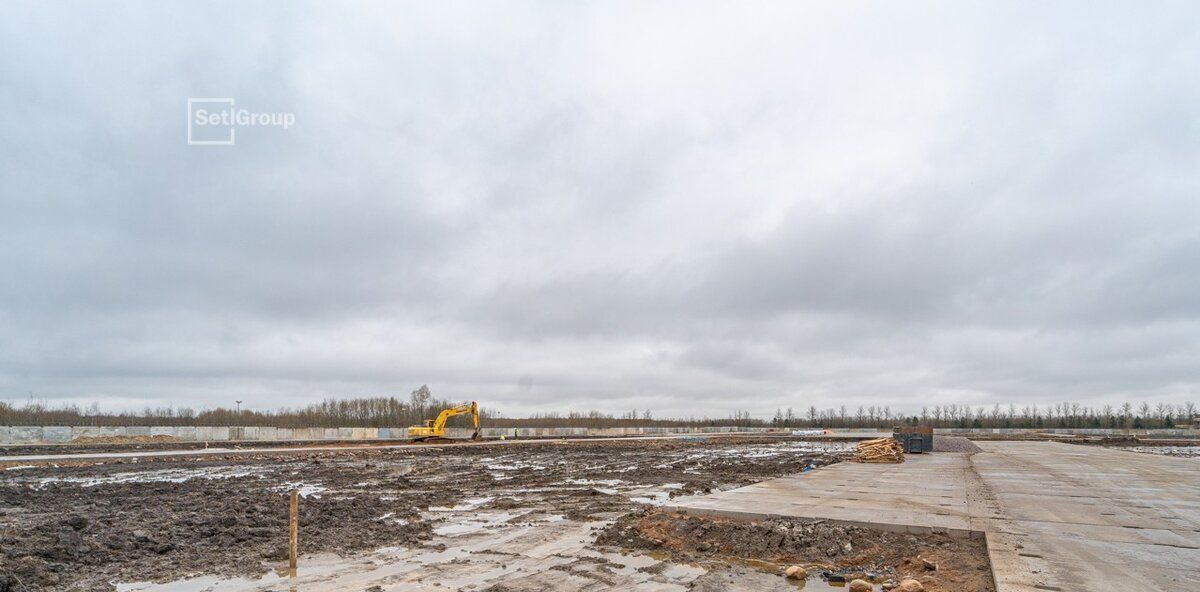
x: 294, y: 528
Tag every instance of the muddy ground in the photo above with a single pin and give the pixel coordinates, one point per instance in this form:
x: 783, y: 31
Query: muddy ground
x: 470, y: 518
x: 835, y: 552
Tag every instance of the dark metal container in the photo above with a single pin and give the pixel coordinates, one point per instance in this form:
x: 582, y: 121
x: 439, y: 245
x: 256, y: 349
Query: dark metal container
x: 914, y: 439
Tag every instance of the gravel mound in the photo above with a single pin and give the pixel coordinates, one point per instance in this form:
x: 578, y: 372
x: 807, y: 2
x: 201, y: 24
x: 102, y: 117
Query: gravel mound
x: 954, y: 444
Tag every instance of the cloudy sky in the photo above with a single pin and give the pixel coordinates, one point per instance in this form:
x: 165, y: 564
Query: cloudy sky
x: 689, y: 207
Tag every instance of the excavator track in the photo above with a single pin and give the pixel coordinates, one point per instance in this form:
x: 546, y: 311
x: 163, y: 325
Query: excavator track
x: 442, y: 440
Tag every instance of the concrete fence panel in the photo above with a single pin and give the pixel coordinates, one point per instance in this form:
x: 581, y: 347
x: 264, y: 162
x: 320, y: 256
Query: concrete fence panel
x: 85, y: 432
x: 213, y: 434
x: 56, y: 435
x: 26, y: 434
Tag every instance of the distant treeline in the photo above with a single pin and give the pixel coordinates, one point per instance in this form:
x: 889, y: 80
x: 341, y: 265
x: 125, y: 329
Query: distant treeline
x: 1059, y: 415
x: 357, y: 412
x: 421, y: 405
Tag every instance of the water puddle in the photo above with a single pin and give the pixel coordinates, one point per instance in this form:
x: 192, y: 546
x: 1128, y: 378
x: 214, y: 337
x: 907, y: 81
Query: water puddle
x: 479, y: 552
x: 306, y: 489
x: 819, y: 584
x: 388, y: 516
x: 654, y: 496
x: 605, y: 482
x: 158, y: 476
x: 465, y: 505
x: 478, y: 522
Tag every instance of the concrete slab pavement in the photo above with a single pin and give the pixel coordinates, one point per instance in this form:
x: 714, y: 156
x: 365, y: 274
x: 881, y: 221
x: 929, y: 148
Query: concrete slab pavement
x: 1055, y: 516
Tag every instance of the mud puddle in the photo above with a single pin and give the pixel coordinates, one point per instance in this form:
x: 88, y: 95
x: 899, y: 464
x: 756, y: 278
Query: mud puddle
x: 499, y: 555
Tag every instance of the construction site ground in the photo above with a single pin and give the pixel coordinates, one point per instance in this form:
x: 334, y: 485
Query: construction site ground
x: 1054, y: 516
x: 55, y: 453
x: 690, y: 513
x: 536, y: 516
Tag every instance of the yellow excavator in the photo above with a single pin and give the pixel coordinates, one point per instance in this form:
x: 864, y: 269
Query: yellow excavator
x: 435, y: 429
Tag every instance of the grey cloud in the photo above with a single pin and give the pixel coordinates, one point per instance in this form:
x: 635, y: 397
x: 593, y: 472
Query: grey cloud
x: 690, y: 208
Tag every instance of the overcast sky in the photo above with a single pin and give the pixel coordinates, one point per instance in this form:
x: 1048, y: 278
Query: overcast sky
x: 688, y: 207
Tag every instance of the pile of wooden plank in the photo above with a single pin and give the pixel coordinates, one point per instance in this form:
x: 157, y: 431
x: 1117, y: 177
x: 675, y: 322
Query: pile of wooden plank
x: 880, y: 450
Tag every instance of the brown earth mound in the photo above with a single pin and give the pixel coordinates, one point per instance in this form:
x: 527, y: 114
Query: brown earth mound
x: 839, y: 552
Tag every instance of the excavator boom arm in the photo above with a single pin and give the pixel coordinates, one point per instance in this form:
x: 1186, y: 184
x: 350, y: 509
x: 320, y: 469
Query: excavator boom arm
x: 473, y: 409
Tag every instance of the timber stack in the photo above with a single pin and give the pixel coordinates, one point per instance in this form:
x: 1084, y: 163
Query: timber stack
x: 880, y: 450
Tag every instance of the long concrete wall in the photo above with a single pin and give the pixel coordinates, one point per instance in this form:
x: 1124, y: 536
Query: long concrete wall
x: 14, y: 435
